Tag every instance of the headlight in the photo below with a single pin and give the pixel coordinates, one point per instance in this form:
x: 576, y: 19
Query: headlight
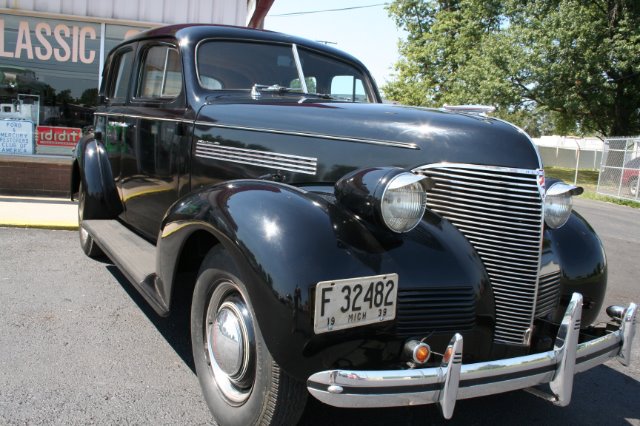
x: 388, y: 197
x: 558, y: 204
x: 403, y: 202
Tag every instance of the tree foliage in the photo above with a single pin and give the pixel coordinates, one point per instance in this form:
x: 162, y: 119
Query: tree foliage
x: 569, y: 66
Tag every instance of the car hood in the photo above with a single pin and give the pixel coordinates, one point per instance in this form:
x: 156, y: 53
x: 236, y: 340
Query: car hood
x: 402, y: 136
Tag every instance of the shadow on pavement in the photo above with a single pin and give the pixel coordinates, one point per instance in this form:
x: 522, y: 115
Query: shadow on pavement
x: 175, y: 328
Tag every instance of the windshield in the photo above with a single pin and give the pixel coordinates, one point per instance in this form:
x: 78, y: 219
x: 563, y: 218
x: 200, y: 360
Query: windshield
x: 233, y: 65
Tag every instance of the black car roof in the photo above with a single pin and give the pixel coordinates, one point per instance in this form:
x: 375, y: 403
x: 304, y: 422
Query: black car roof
x: 204, y: 31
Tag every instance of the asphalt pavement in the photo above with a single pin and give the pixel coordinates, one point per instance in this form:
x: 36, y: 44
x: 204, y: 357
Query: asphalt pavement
x: 78, y: 345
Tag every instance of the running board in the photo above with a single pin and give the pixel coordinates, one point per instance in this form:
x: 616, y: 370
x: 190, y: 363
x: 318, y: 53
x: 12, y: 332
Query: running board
x: 132, y: 254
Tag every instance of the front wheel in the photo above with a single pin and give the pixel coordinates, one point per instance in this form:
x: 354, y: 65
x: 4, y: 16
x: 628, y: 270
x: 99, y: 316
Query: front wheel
x: 241, y: 382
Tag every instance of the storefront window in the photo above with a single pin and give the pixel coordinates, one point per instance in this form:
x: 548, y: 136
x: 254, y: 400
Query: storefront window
x: 49, y: 71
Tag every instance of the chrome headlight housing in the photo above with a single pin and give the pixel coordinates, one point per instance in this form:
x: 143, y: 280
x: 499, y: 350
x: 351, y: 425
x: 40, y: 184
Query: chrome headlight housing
x: 389, y: 197
x: 558, y: 203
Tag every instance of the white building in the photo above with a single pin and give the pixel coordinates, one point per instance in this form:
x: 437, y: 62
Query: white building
x: 52, y: 51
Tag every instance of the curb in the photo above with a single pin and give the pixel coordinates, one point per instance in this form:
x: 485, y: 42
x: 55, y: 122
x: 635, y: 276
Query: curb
x: 64, y: 226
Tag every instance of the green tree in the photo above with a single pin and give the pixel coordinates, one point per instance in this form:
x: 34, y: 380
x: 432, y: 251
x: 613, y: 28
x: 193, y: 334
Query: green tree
x: 570, y: 66
x: 89, y: 98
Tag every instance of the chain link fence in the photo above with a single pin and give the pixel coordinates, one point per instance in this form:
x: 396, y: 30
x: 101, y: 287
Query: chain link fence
x: 620, y: 168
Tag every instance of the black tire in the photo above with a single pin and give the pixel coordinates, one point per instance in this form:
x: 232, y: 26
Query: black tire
x: 263, y: 394
x: 633, y: 187
x: 88, y: 245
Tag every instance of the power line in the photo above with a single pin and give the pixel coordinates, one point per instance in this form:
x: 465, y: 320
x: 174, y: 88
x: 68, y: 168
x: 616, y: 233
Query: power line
x: 330, y: 10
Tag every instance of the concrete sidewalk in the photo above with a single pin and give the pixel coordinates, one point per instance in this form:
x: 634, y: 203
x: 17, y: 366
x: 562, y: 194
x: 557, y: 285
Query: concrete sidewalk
x: 36, y: 212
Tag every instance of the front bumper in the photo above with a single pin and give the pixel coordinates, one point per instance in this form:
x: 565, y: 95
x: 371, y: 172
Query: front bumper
x: 453, y: 380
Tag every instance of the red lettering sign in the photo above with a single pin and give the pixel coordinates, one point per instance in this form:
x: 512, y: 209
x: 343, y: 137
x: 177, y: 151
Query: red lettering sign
x: 58, y: 136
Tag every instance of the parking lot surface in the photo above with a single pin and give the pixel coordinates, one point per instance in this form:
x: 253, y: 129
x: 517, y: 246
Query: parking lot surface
x: 78, y: 345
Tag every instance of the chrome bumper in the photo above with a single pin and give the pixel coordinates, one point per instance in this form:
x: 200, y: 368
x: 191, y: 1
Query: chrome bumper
x: 453, y: 380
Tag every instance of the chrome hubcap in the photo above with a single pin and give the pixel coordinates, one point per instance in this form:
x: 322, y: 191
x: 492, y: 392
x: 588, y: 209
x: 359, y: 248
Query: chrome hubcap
x: 230, y: 343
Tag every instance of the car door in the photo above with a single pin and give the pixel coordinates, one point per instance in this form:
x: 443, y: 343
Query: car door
x: 152, y: 158
x: 111, y: 119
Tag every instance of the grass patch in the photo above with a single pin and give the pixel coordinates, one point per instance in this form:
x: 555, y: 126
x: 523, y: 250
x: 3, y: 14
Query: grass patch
x: 588, y: 179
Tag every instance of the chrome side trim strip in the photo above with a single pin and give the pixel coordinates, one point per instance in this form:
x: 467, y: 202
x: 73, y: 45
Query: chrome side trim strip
x: 390, y: 388
x: 404, y: 145
x: 252, y: 157
x: 311, y: 135
x: 143, y: 117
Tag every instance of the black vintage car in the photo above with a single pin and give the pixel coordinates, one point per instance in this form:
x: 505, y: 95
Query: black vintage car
x: 330, y: 244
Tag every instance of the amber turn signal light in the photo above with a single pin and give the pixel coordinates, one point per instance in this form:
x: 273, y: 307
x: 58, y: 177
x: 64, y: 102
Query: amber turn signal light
x: 421, y: 353
x: 417, y: 352
x: 447, y: 355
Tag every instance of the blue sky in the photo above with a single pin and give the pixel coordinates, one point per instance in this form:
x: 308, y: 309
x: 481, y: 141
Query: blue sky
x: 369, y: 34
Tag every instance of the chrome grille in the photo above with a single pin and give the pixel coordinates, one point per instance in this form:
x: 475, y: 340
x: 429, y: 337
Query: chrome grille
x: 499, y: 210
x: 548, y: 292
x: 431, y: 310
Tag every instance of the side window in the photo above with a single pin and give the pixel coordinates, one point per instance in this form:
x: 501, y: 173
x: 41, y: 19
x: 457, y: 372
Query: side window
x: 120, y: 84
x: 161, y: 76
x: 348, y: 88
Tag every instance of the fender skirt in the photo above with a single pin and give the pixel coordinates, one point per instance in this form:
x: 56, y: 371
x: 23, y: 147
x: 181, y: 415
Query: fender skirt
x: 285, y: 240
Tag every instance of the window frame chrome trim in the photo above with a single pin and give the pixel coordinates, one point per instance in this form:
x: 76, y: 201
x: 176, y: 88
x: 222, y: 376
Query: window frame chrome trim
x: 296, y: 58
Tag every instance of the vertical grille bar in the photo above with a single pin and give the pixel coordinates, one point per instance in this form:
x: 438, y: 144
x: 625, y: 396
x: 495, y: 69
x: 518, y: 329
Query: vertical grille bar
x: 500, y: 212
x: 548, y: 293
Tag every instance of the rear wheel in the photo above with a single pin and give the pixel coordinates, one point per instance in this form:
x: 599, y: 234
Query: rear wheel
x: 241, y: 382
x: 88, y: 245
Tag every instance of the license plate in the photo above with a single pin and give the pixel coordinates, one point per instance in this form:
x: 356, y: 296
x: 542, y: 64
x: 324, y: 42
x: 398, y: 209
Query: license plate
x: 355, y: 302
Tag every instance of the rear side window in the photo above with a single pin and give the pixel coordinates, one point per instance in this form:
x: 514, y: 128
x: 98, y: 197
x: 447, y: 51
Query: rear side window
x: 348, y: 88
x: 120, y: 84
x: 161, y: 76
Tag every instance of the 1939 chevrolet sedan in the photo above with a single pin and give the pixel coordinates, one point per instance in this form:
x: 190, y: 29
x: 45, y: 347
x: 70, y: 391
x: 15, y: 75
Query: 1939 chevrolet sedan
x: 370, y: 255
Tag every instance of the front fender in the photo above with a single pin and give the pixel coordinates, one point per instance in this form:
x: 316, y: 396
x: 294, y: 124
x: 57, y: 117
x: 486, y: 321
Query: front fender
x: 583, y: 266
x: 286, y: 240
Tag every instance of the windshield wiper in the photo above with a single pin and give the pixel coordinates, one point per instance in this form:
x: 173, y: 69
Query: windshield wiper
x: 256, y: 89
x: 320, y: 95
